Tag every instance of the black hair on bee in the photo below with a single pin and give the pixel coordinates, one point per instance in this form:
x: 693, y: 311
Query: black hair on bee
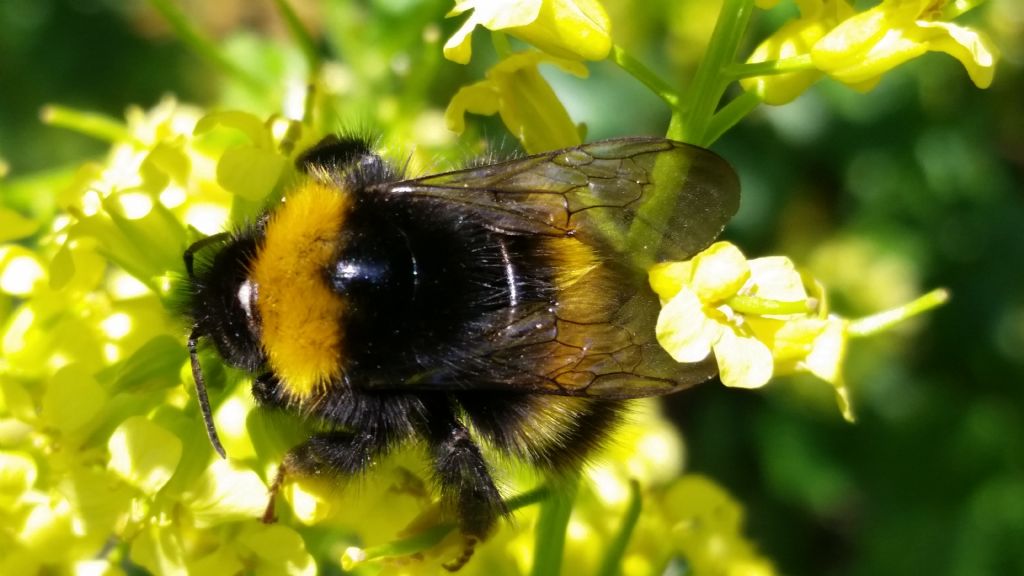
x: 497, y: 302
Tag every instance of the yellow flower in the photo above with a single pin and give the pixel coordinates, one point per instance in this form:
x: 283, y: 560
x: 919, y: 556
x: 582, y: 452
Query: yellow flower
x: 802, y: 343
x: 862, y: 48
x: 709, y: 305
x: 760, y: 320
x: 794, y: 39
x: 705, y: 525
x: 528, y: 106
x: 696, y: 320
x: 571, y: 29
x: 857, y: 49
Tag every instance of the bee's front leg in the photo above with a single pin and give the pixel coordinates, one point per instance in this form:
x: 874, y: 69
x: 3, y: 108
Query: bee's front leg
x: 332, y: 454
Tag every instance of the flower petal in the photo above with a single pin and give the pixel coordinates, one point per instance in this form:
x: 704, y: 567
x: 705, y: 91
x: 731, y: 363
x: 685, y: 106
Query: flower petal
x: 144, y: 454
x: 825, y: 359
x: 775, y: 278
x: 793, y: 39
x: 719, y: 272
x: 742, y: 362
x: 491, y: 14
x: 480, y: 98
x: 684, y: 330
x: 573, y: 29
x: 459, y: 48
x: 668, y: 278
x: 973, y: 49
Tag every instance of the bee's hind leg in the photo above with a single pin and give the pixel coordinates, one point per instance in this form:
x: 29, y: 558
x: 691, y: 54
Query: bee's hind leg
x: 467, y: 488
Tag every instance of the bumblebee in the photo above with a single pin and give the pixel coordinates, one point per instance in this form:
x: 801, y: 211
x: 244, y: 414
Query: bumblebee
x: 500, y: 304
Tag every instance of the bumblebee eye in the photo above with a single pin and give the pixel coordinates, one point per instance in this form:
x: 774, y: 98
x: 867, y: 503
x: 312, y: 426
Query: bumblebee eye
x: 247, y: 294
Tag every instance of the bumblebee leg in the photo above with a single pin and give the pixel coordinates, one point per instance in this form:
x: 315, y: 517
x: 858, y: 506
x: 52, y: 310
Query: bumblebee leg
x: 463, y: 476
x: 339, y: 454
x: 266, y: 391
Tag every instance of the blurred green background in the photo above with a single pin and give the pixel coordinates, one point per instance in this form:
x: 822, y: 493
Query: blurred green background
x: 885, y: 195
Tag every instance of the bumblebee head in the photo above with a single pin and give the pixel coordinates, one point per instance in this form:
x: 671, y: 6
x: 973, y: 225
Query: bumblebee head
x: 221, y: 303
x: 222, y: 300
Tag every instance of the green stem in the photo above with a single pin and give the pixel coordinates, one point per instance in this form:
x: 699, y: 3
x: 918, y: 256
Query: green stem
x: 301, y: 36
x: 406, y: 546
x: 611, y: 564
x: 528, y: 498
x: 433, y: 536
x: 89, y: 123
x: 730, y: 115
x: 702, y: 97
x: 645, y: 75
x: 882, y: 321
x: 770, y: 67
x: 203, y: 46
x: 549, y: 537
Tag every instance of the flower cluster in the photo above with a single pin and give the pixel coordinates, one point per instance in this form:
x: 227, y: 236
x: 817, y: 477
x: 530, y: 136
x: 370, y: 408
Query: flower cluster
x: 103, y: 455
x: 760, y: 319
x: 565, y: 32
x: 856, y: 49
x: 104, y: 461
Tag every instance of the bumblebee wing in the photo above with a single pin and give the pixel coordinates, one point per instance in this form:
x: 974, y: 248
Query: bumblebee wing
x: 582, y: 347
x: 595, y: 336
x: 601, y: 193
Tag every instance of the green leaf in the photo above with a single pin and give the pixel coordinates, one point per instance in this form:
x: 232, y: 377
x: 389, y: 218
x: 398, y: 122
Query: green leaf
x: 549, y: 537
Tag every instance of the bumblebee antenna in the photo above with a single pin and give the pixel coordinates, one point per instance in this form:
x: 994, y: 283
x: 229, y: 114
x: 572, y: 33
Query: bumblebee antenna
x: 204, y: 401
x: 196, y: 246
